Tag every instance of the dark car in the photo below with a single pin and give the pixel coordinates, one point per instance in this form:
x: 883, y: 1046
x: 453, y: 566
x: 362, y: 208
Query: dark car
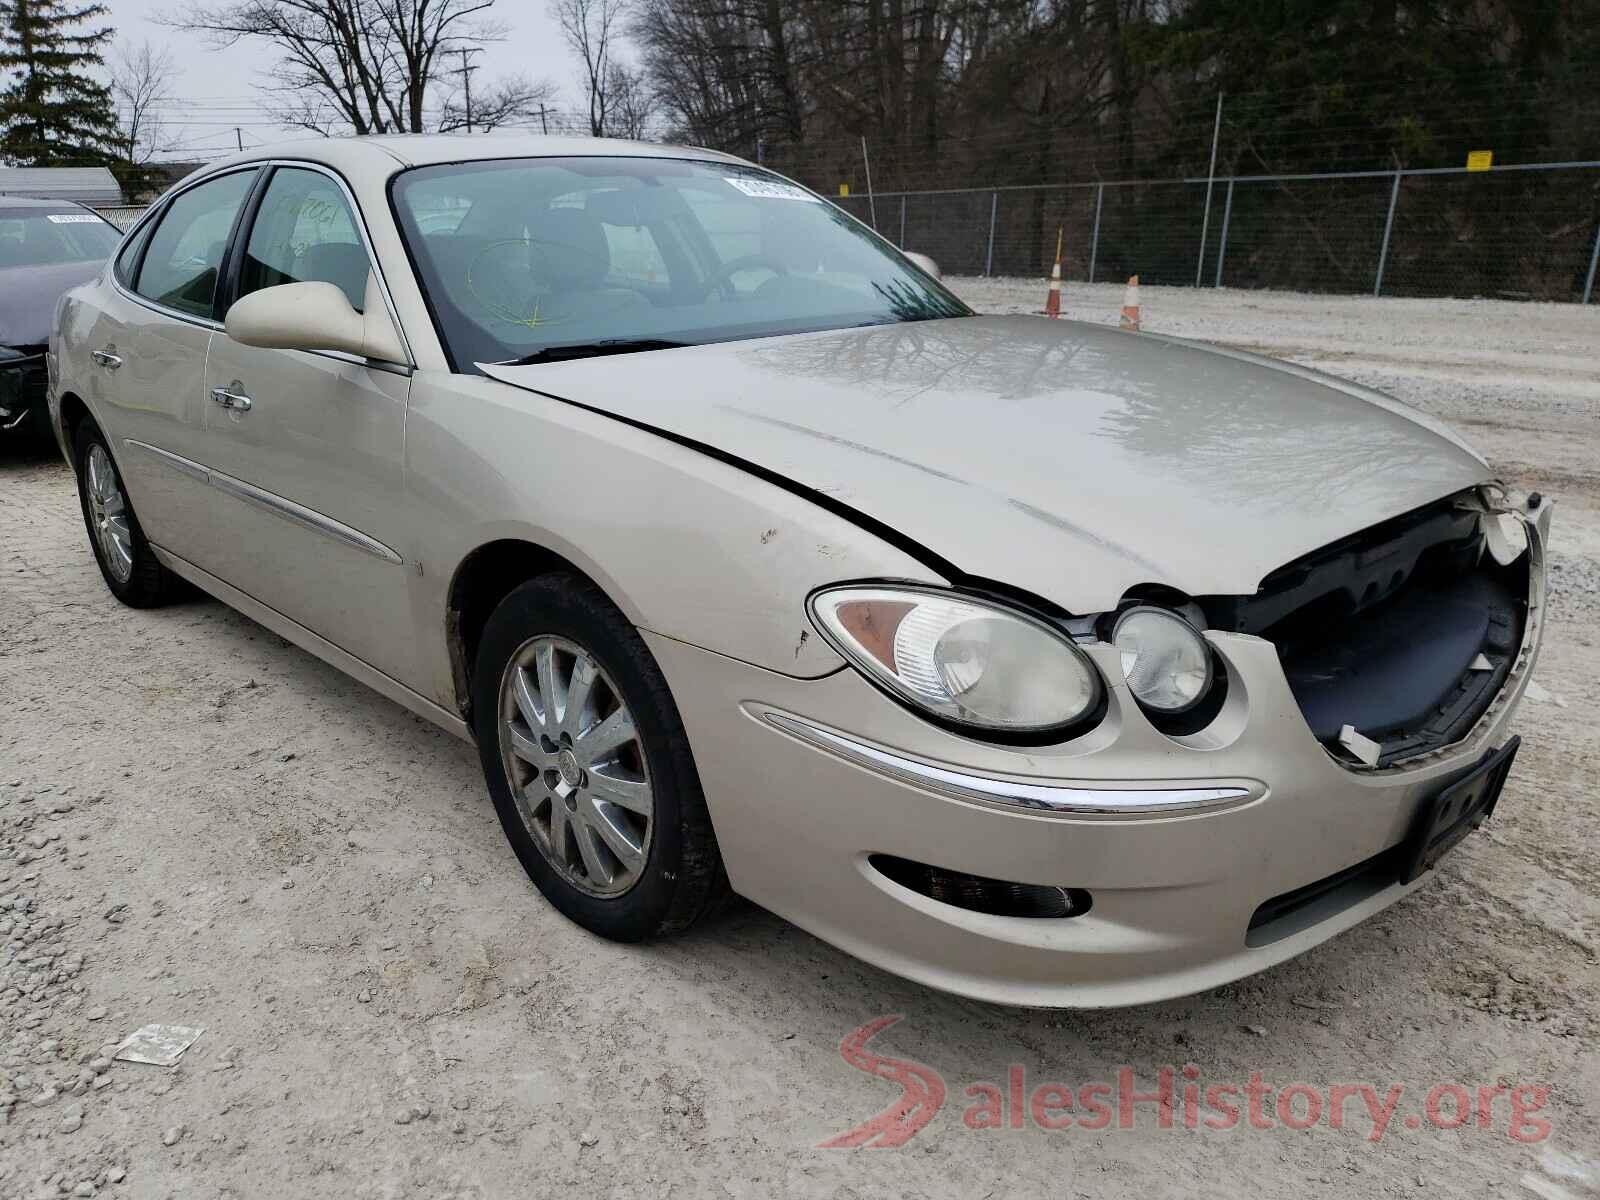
x: 46, y: 247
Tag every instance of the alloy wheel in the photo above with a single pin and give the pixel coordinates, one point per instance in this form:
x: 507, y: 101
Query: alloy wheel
x: 576, y: 766
x: 108, y: 515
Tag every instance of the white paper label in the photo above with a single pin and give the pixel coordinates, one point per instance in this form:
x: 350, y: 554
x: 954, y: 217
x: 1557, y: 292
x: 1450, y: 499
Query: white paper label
x: 71, y: 219
x: 771, y: 189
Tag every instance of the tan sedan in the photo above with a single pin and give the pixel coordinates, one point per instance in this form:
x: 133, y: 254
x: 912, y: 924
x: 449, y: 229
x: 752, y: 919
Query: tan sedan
x: 1040, y: 662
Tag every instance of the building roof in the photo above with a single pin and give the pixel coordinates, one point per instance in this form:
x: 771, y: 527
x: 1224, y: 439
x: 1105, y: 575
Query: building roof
x: 94, y: 186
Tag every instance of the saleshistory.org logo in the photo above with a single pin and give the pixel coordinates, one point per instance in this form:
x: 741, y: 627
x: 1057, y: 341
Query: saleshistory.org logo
x: 1179, y: 1097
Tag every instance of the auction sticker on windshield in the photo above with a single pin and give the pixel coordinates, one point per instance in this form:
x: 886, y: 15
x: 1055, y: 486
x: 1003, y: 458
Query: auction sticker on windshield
x: 771, y: 189
x: 71, y: 219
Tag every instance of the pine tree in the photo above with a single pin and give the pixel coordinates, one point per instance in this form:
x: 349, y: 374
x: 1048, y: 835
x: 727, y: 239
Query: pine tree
x: 52, y: 111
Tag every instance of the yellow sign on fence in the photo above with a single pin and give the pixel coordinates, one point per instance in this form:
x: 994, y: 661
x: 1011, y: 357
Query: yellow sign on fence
x: 844, y: 189
x: 1480, y: 160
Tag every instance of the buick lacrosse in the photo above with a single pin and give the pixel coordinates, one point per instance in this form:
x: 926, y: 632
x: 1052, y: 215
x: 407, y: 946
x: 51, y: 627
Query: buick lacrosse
x: 1037, y: 661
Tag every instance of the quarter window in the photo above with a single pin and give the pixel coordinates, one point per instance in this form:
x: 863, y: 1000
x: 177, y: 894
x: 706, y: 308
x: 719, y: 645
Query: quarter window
x: 129, y: 258
x: 180, y: 268
x: 305, y: 232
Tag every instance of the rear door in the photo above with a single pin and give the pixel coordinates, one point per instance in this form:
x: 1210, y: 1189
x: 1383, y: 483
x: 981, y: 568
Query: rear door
x: 147, y: 344
x: 306, y: 448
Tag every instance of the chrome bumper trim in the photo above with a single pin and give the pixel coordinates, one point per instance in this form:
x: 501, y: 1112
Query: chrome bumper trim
x: 1008, y: 793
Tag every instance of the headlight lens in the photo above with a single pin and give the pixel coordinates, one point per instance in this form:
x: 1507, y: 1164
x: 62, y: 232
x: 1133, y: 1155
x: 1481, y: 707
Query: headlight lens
x: 1164, y: 658
x: 964, y: 660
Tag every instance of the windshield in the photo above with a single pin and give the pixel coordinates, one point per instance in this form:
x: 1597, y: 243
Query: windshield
x: 36, y: 239
x: 523, y: 257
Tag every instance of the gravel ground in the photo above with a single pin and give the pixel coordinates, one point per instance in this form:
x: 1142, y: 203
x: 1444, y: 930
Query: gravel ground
x: 201, y: 825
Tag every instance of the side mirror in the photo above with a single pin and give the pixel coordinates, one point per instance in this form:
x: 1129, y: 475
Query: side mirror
x: 927, y: 264
x: 316, y: 316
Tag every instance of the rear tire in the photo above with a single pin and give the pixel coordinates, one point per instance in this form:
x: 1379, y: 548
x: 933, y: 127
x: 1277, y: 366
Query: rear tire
x: 127, y: 562
x: 598, y: 796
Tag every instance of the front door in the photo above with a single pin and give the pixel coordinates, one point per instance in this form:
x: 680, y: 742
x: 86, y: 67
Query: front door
x: 306, y: 449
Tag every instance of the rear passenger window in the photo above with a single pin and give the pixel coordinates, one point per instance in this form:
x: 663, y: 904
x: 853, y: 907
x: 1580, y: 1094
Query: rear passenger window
x: 304, y: 232
x: 180, y: 267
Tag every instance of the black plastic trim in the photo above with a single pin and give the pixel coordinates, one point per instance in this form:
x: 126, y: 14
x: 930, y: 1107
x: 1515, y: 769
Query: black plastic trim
x: 244, y: 221
x: 1287, y: 914
x: 981, y: 894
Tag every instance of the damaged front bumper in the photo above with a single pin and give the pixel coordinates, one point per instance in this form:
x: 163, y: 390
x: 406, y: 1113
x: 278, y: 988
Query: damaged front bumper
x: 1124, y: 866
x: 23, y: 390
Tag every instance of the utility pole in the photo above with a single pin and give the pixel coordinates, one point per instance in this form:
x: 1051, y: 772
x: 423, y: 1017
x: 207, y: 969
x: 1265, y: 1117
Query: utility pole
x: 543, y: 124
x: 238, y: 137
x: 466, y: 78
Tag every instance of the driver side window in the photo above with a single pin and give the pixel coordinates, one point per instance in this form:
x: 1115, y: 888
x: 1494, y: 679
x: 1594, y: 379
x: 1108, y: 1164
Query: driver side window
x: 304, y: 232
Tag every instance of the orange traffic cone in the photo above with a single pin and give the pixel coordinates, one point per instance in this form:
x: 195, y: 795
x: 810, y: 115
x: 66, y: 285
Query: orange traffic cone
x: 1052, y: 300
x: 1130, y: 305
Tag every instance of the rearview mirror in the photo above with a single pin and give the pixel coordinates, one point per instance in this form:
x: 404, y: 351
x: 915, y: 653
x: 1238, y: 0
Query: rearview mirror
x: 926, y: 263
x: 316, y: 316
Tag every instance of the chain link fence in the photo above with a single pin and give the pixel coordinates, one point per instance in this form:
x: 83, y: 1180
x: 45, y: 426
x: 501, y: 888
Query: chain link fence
x: 123, y: 216
x: 1526, y: 232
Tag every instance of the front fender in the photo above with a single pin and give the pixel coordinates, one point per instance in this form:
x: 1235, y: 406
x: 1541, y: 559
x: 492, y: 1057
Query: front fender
x: 688, y: 546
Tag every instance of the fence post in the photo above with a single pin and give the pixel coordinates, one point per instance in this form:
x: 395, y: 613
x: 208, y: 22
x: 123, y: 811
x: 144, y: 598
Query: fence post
x: 994, y: 209
x: 872, y: 201
x: 1094, y: 241
x: 1211, y: 178
x: 902, y: 220
x: 1222, y: 248
x: 1594, y: 259
x: 1388, y: 227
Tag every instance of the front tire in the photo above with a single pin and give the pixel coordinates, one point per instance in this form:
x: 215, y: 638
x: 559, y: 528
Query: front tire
x: 589, y: 765
x: 127, y: 562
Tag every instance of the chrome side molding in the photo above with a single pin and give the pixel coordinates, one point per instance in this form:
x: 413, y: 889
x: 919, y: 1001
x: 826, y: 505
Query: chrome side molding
x: 176, y: 462
x: 299, y: 514
x: 278, y: 506
x: 1007, y: 793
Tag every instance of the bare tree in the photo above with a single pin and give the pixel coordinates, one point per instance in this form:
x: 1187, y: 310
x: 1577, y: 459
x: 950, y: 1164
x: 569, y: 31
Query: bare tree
x: 141, y: 85
x: 627, y: 103
x: 590, y: 26
x: 502, y: 103
x: 362, y: 65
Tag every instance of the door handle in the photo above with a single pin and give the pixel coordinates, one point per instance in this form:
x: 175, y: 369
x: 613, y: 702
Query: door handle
x: 106, y: 359
x: 230, y: 399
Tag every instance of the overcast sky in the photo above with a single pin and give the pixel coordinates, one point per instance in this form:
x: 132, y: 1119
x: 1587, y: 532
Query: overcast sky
x: 215, y: 90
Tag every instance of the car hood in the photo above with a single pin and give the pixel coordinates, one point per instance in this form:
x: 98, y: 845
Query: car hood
x: 28, y: 298
x: 1067, y: 459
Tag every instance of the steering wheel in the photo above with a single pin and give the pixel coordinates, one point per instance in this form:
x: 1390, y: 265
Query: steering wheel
x: 493, y: 280
x: 724, y: 277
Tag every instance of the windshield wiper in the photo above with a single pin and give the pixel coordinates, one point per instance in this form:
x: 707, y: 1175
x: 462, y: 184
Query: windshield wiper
x: 590, y: 350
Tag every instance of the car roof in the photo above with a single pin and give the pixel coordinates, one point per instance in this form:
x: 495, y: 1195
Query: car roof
x: 386, y: 153
x: 32, y: 204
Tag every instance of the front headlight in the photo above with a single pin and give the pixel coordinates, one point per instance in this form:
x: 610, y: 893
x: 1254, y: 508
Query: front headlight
x: 1164, y: 658
x: 964, y: 660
